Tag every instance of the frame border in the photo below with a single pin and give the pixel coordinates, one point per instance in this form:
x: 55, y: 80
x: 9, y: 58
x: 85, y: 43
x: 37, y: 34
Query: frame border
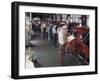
x: 15, y: 39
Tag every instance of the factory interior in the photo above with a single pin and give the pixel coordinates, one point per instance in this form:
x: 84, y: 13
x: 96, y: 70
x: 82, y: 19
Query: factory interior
x: 44, y: 45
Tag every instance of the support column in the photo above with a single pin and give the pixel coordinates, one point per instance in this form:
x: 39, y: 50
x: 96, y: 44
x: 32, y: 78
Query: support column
x: 30, y: 16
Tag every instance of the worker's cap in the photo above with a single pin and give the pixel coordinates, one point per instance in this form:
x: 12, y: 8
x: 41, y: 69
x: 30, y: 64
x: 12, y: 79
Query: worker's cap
x: 62, y: 23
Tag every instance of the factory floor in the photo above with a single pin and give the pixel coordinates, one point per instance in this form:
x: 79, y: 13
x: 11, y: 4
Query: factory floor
x: 47, y: 55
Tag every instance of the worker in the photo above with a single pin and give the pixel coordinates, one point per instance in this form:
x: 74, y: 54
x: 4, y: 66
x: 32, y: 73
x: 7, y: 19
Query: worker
x: 62, y: 37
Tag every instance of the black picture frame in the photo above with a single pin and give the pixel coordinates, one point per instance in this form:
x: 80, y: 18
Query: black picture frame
x: 15, y: 39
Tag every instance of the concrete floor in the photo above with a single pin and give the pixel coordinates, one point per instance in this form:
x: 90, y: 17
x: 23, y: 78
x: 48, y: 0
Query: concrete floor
x: 47, y: 55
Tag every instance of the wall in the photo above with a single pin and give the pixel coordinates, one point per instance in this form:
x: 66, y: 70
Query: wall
x: 5, y: 40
